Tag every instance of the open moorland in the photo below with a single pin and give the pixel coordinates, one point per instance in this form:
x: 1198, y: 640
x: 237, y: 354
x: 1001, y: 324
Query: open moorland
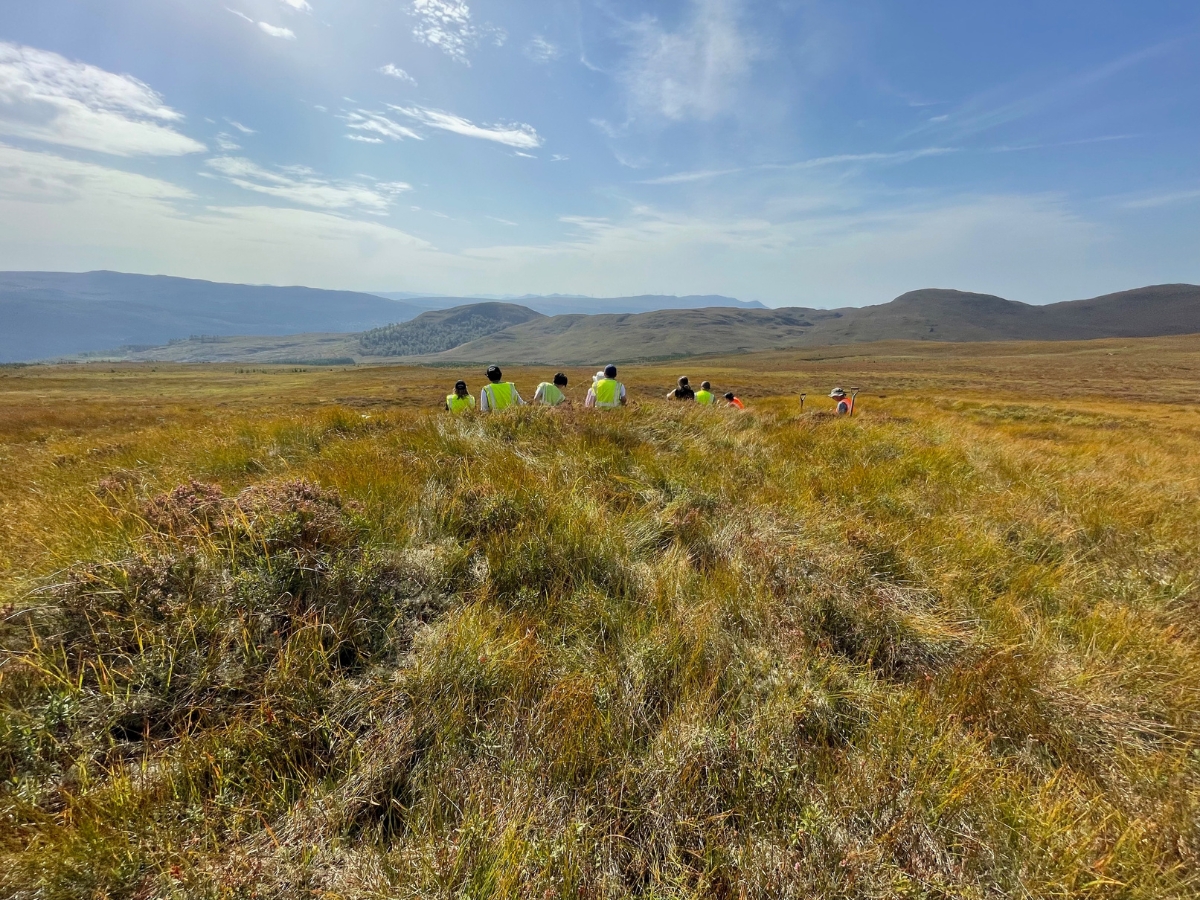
x: 288, y: 631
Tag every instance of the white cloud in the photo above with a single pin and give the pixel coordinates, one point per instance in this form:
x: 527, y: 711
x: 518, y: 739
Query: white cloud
x: 446, y: 25
x: 60, y: 214
x: 45, y: 178
x: 379, y: 125
x: 396, y: 72
x: 302, y: 185
x: 301, y: 5
x: 226, y: 144
x: 695, y: 72
x: 363, y: 139
x: 541, y: 50
x: 46, y: 97
x: 240, y: 127
x: 558, y: 158
x: 275, y: 31
x: 517, y: 134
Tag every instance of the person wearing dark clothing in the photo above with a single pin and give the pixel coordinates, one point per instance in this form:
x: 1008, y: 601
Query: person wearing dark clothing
x: 683, y: 392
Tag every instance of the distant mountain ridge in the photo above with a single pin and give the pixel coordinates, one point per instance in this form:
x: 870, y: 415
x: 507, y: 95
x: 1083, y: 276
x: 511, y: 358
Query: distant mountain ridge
x: 47, y: 314
x: 508, y: 332
x: 931, y: 314
x: 574, y: 304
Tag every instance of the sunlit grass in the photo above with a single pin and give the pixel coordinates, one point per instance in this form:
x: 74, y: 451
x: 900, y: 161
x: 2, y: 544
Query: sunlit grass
x: 946, y: 648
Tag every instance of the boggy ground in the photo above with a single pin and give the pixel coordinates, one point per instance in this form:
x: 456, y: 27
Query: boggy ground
x: 280, y: 647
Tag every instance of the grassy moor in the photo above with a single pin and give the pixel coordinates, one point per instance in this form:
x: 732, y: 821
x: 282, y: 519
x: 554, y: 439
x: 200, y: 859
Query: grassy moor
x: 285, y: 631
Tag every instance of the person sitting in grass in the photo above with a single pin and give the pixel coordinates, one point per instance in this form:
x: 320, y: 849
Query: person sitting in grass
x: 498, y: 395
x: 461, y: 400
x: 548, y: 394
x: 733, y: 401
x: 606, y: 393
x: 704, y: 396
x: 843, y: 402
x: 683, y: 392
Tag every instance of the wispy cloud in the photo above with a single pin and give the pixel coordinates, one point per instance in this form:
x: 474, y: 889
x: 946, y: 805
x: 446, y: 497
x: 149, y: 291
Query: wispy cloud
x: 46, y: 97
x: 1156, y: 200
x: 274, y: 31
x: 240, y: 127
x: 447, y: 26
x: 379, y: 126
x: 301, y: 5
x: 225, y: 143
x: 396, y: 72
x: 687, y: 177
x: 277, y: 32
x: 846, y: 159
x: 516, y: 135
x: 998, y: 107
x: 541, y: 50
x: 363, y: 139
x: 300, y: 184
x: 693, y: 72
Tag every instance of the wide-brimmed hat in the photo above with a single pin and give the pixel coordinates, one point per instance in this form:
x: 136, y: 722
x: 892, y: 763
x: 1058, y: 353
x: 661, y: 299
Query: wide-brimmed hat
x: 837, y: 393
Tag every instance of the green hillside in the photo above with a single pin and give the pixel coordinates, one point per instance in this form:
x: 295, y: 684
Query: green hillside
x: 439, y: 330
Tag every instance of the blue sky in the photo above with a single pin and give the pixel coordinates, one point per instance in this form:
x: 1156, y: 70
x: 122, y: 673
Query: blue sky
x: 797, y: 152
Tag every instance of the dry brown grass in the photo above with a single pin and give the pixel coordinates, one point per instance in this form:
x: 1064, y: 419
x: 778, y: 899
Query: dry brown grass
x: 947, y: 648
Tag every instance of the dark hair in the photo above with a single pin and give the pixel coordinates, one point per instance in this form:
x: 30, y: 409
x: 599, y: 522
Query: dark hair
x: 683, y: 380
x: 610, y: 371
x: 560, y: 379
x: 493, y: 373
x: 729, y: 396
x: 705, y: 386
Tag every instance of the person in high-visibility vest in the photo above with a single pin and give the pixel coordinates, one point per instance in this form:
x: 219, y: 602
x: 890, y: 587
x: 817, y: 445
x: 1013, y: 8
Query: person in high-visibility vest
x: 461, y: 400
x: 843, y: 402
x: 704, y: 396
x: 607, y: 392
x: 498, y: 395
x: 733, y: 401
x: 548, y: 394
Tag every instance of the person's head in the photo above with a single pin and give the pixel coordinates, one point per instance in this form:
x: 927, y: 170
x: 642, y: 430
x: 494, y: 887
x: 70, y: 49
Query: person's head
x: 729, y: 396
x: 494, y: 374
x: 683, y: 381
x: 560, y: 380
x: 837, y: 393
x: 610, y: 371
x: 460, y: 388
x: 705, y: 386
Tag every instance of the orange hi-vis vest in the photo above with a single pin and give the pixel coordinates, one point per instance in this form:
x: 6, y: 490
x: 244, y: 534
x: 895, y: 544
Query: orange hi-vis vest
x: 845, y: 406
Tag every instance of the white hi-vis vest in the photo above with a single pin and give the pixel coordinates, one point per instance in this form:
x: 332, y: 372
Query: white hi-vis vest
x: 608, y: 393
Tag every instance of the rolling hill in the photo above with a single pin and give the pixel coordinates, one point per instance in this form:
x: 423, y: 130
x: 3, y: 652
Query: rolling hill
x: 439, y: 330
x: 941, y: 315
x: 48, y: 314
x: 573, y: 304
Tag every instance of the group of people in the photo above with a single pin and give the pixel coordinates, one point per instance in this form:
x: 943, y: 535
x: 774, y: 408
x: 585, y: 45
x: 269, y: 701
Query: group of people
x: 704, y: 396
x: 605, y: 393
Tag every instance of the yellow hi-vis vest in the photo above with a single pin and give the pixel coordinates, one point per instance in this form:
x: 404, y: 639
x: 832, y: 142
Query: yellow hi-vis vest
x: 704, y: 397
x: 551, y: 395
x: 500, y: 393
x: 457, y: 404
x: 608, y: 393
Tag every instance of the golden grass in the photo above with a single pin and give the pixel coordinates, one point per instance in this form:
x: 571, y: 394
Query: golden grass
x: 945, y: 649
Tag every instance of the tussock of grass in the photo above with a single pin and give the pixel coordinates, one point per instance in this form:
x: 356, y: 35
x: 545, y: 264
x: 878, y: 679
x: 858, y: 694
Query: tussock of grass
x: 657, y: 653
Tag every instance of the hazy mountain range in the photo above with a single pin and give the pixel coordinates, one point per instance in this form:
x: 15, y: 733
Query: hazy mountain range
x: 54, y: 314
x: 506, y: 332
